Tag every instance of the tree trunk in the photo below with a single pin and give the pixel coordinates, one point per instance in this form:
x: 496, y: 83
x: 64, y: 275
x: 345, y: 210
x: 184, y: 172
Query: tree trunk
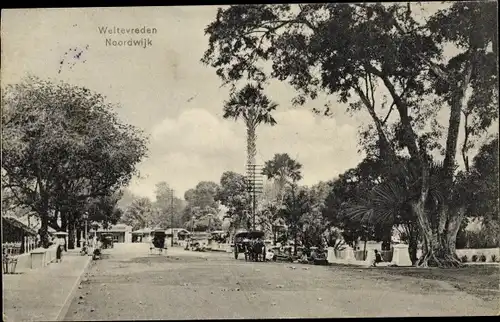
x: 453, y: 227
x: 413, y: 239
x: 64, y: 227
x: 295, y: 242
x: 44, y: 228
x: 364, y: 250
x: 71, y: 235
x: 78, y: 236
x: 438, y: 251
x: 251, y: 144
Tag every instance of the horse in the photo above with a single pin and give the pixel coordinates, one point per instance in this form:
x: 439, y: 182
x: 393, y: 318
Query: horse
x: 256, y: 248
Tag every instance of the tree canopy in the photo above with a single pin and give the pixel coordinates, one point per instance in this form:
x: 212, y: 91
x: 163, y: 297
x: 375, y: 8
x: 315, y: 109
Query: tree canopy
x: 62, y: 145
x: 359, y: 52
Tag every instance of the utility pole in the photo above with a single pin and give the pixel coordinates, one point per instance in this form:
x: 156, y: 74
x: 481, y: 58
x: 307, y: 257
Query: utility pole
x: 255, y: 185
x: 172, y: 216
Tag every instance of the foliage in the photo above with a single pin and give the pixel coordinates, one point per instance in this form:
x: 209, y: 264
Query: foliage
x: 282, y: 168
x: 169, y: 207
x: 204, y: 223
x: 343, y: 193
x: 104, y: 210
x: 253, y: 106
x: 474, y: 258
x: 464, y: 259
x: 483, y: 182
x: 296, y: 203
x: 140, y: 214
x: 378, y: 44
x: 482, y: 258
x: 62, y: 145
x: 201, y: 202
x: 233, y: 193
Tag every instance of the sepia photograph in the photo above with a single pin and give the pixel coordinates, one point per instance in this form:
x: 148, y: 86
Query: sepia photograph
x: 250, y: 161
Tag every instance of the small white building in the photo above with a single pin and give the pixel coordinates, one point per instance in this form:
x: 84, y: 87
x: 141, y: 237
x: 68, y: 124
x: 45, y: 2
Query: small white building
x: 178, y: 234
x: 121, y: 233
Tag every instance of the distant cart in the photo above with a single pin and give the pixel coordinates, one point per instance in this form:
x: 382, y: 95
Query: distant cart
x: 159, y: 241
x: 251, y: 244
x: 107, y: 240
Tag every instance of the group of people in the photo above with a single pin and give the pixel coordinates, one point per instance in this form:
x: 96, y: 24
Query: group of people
x: 313, y: 256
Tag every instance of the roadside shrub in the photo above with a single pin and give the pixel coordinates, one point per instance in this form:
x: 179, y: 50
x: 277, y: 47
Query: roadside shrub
x: 482, y: 258
x: 494, y: 258
x: 474, y: 258
x: 464, y: 259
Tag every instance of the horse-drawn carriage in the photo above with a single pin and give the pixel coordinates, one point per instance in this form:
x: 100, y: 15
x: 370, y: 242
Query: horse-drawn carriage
x: 251, y: 243
x: 158, y: 243
x: 107, y: 240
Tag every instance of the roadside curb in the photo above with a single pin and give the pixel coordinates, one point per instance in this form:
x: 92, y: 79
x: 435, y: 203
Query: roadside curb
x: 65, y: 308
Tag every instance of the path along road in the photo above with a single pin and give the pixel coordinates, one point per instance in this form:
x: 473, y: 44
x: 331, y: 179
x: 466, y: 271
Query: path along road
x: 131, y: 284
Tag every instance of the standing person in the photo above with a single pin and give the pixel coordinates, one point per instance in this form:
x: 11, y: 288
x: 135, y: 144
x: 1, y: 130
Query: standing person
x: 59, y: 252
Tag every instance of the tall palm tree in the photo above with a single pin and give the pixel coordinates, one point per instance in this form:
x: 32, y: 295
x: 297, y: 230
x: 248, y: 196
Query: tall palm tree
x: 253, y: 106
x: 139, y: 214
x: 283, y: 170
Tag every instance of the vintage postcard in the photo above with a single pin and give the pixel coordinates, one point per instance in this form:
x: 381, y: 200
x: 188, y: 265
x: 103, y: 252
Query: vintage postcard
x: 250, y: 161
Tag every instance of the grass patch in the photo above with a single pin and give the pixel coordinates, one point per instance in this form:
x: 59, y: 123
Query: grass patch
x: 478, y: 280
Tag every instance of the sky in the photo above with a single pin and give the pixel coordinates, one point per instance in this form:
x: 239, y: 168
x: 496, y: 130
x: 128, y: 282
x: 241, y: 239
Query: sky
x: 167, y: 92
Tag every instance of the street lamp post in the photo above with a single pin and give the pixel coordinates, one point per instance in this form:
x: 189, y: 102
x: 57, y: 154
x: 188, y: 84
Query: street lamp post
x: 86, y: 217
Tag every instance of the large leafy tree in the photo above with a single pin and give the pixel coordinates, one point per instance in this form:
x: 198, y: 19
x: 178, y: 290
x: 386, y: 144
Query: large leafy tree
x: 201, y: 204
x: 62, y: 145
x: 253, y: 106
x: 378, y: 48
x: 283, y: 171
x: 233, y: 194
x: 140, y: 214
x: 296, y: 203
x: 345, y: 191
x: 314, y: 225
x: 480, y: 187
x: 169, y: 207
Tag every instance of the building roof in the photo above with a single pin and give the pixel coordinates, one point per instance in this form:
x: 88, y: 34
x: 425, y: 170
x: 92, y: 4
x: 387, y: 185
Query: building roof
x: 33, y: 222
x: 179, y: 230
x: 120, y: 228
x: 142, y: 231
x: 14, y: 221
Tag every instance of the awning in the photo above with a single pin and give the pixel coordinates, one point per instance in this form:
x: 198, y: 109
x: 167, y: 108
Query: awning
x: 16, y: 223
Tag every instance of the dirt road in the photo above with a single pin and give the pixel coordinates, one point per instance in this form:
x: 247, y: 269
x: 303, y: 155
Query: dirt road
x: 131, y: 284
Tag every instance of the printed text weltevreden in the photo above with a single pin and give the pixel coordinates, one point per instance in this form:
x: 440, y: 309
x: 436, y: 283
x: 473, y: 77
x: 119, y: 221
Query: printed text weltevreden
x: 130, y: 42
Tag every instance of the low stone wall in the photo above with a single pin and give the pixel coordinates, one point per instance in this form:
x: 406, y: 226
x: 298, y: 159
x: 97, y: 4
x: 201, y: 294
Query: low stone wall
x: 214, y: 246
x: 398, y: 256
x: 37, y: 258
x: 488, y: 252
x: 468, y: 253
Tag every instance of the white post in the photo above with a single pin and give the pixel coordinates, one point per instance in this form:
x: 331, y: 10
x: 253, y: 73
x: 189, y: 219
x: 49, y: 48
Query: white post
x: 370, y: 257
x: 400, y: 255
x: 331, y: 255
x: 349, y: 254
x: 86, y: 233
